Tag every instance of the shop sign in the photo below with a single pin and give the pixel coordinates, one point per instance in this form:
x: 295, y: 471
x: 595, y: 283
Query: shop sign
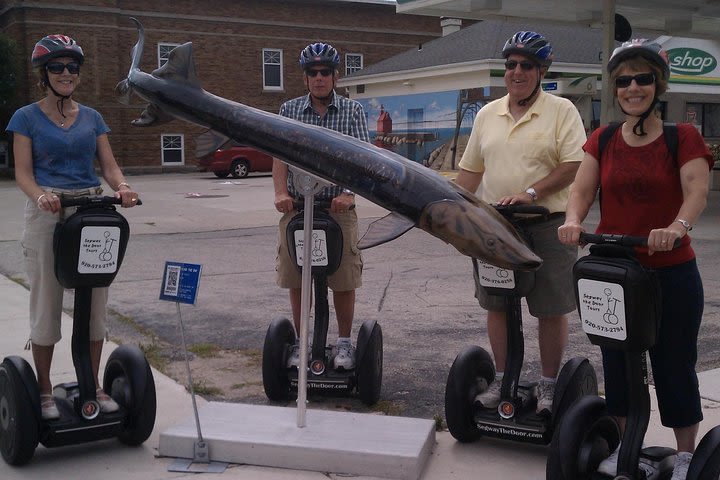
x: 691, y: 61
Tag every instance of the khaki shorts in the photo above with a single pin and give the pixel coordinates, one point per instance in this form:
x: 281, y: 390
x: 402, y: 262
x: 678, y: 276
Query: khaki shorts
x: 554, y: 293
x: 347, y: 277
x: 46, y: 293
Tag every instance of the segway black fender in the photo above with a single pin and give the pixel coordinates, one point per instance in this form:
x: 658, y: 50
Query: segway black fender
x: 363, y: 339
x: 705, y: 464
x: 136, y: 392
x: 585, y: 436
x: 27, y: 375
x: 576, y: 379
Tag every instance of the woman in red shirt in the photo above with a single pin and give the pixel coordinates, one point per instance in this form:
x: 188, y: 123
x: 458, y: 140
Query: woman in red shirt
x: 646, y: 191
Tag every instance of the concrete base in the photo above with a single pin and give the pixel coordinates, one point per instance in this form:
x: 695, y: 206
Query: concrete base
x: 337, y: 442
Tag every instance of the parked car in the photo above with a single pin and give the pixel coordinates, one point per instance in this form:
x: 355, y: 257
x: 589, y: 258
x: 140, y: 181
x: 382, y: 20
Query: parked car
x: 237, y: 161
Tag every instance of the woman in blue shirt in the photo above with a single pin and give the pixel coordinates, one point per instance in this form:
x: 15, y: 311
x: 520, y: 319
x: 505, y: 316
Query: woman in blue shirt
x: 55, y: 143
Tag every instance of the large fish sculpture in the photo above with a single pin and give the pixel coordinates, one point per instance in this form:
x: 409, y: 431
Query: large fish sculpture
x: 415, y: 195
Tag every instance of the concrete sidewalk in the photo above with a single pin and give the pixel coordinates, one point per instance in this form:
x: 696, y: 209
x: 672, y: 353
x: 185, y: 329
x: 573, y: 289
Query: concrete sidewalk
x: 110, y: 460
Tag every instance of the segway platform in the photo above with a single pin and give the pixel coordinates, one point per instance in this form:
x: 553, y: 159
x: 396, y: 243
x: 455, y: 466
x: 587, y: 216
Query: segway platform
x: 338, y: 442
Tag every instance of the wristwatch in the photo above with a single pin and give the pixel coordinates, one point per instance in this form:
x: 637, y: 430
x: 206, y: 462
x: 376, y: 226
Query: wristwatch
x: 348, y: 192
x: 533, y: 194
x: 685, y: 224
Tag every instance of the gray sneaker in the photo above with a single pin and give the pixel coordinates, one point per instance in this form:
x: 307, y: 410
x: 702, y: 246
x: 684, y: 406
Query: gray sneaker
x: 343, y: 356
x: 609, y: 465
x: 682, y: 464
x: 294, y: 357
x: 490, y: 398
x: 545, y: 395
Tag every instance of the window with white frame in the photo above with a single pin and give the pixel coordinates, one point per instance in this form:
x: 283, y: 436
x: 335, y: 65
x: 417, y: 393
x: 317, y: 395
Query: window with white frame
x: 272, y: 69
x: 164, y: 50
x: 173, y: 151
x: 353, y: 62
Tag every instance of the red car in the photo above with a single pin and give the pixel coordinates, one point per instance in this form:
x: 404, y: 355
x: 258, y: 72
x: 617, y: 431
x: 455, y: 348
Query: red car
x: 236, y: 161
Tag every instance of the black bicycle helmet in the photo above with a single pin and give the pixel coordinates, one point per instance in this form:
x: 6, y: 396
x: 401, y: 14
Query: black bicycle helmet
x: 641, y: 47
x: 653, y: 53
x: 55, y: 46
x: 319, y: 54
x: 530, y: 44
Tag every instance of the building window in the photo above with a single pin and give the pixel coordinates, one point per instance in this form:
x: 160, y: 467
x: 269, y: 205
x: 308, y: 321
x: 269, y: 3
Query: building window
x: 272, y: 69
x: 164, y: 50
x: 353, y: 63
x: 705, y: 117
x: 173, y: 151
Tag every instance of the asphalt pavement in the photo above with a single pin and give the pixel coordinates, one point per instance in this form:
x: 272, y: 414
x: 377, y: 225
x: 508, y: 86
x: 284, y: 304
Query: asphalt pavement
x: 418, y: 288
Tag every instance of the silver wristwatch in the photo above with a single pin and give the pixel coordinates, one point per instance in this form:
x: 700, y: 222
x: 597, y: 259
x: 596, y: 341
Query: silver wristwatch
x: 348, y: 192
x: 685, y: 224
x: 533, y: 194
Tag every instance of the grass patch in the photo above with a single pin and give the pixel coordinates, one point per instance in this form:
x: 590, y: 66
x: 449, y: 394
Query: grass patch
x: 200, y: 387
x: 204, y: 350
x: 439, y: 422
x: 153, y: 354
x: 387, y: 407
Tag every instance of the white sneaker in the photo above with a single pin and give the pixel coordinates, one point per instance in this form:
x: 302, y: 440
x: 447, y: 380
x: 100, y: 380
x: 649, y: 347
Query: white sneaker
x: 294, y: 358
x: 682, y: 463
x: 490, y: 398
x: 545, y: 396
x: 343, y: 356
x: 609, y: 465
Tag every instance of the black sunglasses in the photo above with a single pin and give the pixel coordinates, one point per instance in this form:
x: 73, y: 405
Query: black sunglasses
x: 642, y: 79
x: 325, y: 72
x: 57, y: 68
x: 524, y: 65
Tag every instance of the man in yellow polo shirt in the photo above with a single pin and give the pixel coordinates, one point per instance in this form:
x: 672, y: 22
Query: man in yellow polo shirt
x: 526, y: 148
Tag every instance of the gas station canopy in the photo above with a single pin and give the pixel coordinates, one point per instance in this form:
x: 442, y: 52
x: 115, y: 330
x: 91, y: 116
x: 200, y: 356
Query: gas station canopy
x: 687, y: 18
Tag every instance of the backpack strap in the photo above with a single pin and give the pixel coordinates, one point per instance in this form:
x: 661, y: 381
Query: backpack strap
x: 671, y: 139
x: 605, y: 137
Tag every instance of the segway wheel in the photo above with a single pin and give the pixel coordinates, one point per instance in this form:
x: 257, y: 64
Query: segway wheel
x: 576, y: 379
x: 370, y: 362
x: 471, y: 368
x: 705, y: 464
x: 19, y: 427
x: 279, y: 338
x: 128, y: 379
x: 585, y: 436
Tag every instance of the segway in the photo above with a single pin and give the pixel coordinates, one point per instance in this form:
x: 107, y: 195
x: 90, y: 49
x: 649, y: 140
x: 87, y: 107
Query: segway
x: 280, y: 381
x: 89, y: 247
x: 619, y: 305
x: 473, y: 369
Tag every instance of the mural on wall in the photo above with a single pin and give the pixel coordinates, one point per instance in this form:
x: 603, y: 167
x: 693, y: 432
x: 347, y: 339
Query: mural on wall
x: 421, y: 126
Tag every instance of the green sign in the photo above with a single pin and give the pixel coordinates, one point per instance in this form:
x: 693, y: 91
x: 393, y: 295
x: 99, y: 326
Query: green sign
x: 691, y: 61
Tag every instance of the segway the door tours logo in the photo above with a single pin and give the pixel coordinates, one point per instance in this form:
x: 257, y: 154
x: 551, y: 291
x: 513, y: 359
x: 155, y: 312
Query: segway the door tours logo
x: 691, y: 61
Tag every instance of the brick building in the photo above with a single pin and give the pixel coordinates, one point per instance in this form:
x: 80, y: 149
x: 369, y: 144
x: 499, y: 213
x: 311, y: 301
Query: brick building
x: 245, y: 50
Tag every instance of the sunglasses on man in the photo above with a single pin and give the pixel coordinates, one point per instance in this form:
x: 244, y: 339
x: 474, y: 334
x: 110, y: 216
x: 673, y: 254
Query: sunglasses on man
x: 524, y: 65
x: 642, y: 79
x: 57, y: 68
x: 325, y: 72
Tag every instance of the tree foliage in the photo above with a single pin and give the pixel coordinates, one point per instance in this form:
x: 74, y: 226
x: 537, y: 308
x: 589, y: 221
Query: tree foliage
x: 8, y: 82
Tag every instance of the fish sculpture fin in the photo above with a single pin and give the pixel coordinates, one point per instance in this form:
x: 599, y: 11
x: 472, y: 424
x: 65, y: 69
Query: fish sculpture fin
x: 384, y: 230
x: 180, y: 66
x: 151, y: 116
x: 207, y: 142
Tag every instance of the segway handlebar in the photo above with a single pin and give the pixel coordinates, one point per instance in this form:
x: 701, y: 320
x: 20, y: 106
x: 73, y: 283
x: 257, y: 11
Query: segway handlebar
x: 323, y: 204
x: 91, y: 200
x: 522, y: 209
x: 618, y: 239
